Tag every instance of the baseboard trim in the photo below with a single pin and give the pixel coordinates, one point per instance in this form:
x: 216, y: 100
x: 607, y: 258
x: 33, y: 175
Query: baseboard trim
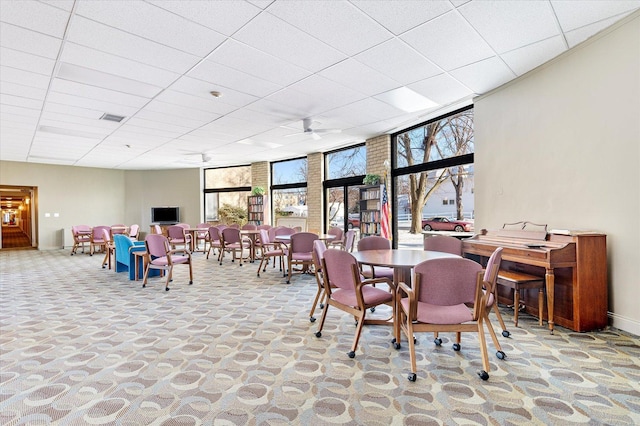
x: 629, y: 325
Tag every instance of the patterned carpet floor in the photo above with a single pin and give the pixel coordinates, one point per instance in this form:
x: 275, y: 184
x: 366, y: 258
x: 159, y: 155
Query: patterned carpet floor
x: 82, y: 345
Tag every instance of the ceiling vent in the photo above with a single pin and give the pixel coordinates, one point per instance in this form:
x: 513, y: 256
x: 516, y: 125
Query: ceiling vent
x: 112, y: 117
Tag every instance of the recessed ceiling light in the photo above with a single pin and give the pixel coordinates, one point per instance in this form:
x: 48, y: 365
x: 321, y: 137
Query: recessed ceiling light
x: 216, y: 94
x: 406, y: 100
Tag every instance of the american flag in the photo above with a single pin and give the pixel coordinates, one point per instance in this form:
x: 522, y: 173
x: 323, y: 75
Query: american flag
x: 385, y: 219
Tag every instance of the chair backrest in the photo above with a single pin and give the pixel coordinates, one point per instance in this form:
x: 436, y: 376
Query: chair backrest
x: 214, y: 234
x: 249, y: 227
x: 265, y: 226
x: 337, y: 267
x: 231, y: 235
x: 319, y: 247
x: 264, y: 236
x: 221, y: 227
x: 349, y: 239
x: 234, y: 225
x: 339, y: 233
x: 77, y: 229
x: 97, y: 234
x: 183, y: 225
x: 491, y: 274
x: 134, y: 231
x: 106, y: 235
x: 446, y: 281
x: 158, y: 229
x: 118, y: 228
x: 176, y: 233
x: 157, y: 245
x: 443, y: 243
x: 373, y: 242
x: 302, y: 242
x: 283, y: 230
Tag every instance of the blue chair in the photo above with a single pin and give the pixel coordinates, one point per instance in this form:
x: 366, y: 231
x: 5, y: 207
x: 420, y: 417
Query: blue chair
x: 125, y: 260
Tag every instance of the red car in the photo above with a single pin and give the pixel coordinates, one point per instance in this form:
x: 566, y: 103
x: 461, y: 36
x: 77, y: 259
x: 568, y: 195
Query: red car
x: 354, y: 222
x: 444, y: 224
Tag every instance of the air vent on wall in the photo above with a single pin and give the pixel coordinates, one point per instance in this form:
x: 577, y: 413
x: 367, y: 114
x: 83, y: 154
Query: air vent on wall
x: 112, y: 117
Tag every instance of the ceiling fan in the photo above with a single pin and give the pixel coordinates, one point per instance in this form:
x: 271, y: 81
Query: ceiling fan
x: 314, y: 133
x: 203, y: 160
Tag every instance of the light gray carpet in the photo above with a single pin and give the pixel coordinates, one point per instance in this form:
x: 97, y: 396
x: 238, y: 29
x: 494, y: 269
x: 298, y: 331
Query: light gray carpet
x: 83, y: 345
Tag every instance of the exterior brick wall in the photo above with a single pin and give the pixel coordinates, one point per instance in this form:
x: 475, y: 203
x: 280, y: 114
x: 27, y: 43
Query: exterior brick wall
x: 315, y: 199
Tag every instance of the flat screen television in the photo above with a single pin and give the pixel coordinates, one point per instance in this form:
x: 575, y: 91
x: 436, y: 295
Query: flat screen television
x: 165, y: 214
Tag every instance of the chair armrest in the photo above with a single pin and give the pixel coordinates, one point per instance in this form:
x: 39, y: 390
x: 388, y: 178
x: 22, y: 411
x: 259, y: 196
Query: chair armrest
x: 480, y: 297
x: 137, y: 247
x: 411, y: 294
x: 182, y: 251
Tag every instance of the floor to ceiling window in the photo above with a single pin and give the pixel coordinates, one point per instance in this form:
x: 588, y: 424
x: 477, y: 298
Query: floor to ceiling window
x: 225, y: 194
x: 344, y: 171
x: 433, y: 177
x: 289, y: 188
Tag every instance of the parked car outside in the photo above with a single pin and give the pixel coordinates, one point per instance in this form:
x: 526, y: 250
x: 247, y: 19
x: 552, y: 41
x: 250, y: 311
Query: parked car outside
x: 444, y: 224
x: 354, y: 221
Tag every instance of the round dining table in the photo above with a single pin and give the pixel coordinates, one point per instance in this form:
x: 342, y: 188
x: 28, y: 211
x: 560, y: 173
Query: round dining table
x: 401, y: 260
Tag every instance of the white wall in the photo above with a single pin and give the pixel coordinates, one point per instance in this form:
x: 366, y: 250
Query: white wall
x: 561, y: 146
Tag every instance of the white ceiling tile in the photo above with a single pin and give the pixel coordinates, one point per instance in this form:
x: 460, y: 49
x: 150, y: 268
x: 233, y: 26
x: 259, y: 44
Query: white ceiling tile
x: 579, y: 35
x: 257, y: 63
x: 92, y: 104
x: 96, y: 78
x: 60, y: 4
x: 120, y: 43
x: 202, y: 89
x: 73, y: 129
x: 36, y: 16
x: 115, y: 65
x: 449, y: 42
x: 276, y: 37
x: 364, y: 112
x: 155, y: 127
x: 152, y: 23
x: 573, y: 14
x: 102, y: 126
x: 528, y: 57
x: 484, y: 75
x: 398, y: 61
x: 218, y: 74
x: 403, y: 15
x: 442, y: 89
x: 210, y: 105
x: 180, y: 111
x: 92, y: 92
x: 27, y: 92
x: 26, y: 61
x: 360, y: 77
x: 7, y: 100
x: 337, y: 23
x: 29, y: 41
x: 207, y: 13
x: 508, y: 25
x: 24, y: 78
x: 171, y: 119
x: 72, y: 111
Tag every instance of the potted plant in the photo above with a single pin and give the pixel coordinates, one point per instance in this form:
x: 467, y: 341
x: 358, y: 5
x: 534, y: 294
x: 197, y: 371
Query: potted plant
x: 371, y: 179
x: 257, y: 190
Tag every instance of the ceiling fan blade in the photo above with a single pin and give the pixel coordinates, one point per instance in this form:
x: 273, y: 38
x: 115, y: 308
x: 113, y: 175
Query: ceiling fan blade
x: 327, y: 131
x: 315, y: 136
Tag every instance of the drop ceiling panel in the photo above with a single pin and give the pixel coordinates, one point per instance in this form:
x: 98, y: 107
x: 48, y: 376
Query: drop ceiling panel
x: 337, y: 23
x: 151, y: 22
x: 35, y: 16
x: 179, y: 111
x: 186, y: 123
x: 508, y: 25
x: 155, y: 127
x: 443, y: 89
x: 218, y: 74
x: 26, y: 61
x: 398, y: 61
x: 202, y: 89
x: 120, y: 43
x: 275, y: 37
x: 61, y: 4
x: 92, y: 92
x: 115, y: 65
x: 92, y: 122
x: 210, y: 105
x: 257, y: 63
x: 360, y: 77
x: 484, y: 75
x: 528, y: 57
x: 579, y: 35
x: 92, y: 104
x: 24, y: 78
x: 209, y: 13
x: 452, y: 42
x: 20, y: 111
x: 18, y: 90
x: 71, y: 111
x: 21, y: 120
x: 400, y: 16
x: 8, y: 100
x: 577, y: 13
x: 29, y: 41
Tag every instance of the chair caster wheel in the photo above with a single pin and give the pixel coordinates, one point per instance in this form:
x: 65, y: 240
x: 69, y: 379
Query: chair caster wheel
x: 456, y: 347
x: 312, y: 319
x: 318, y: 334
x: 190, y: 282
x: 373, y: 309
x: 501, y: 355
x: 351, y: 354
x: 144, y: 285
x: 393, y: 340
x: 437, y: 341
x: 483, y: 375
x: 397, y: 345
x: 167, y: 289
x: 505, y: 333
x: 412, y: 377
x: 321, y: 306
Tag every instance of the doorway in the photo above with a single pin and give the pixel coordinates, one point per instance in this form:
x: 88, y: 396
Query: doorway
x: 17, y: 207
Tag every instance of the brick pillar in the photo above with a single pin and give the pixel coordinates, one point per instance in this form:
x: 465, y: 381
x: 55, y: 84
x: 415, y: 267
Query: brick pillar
x: 315, y: 199
x: 260, y: 176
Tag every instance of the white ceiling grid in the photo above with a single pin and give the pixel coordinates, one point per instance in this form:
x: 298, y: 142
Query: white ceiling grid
x: 344, y: 64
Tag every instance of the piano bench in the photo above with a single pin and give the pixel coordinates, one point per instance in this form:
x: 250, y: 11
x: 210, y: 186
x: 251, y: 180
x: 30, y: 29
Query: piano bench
x: 518, y: 281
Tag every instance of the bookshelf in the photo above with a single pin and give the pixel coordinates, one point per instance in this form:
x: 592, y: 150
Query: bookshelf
x: 370, y: 214
x: 255, y: 209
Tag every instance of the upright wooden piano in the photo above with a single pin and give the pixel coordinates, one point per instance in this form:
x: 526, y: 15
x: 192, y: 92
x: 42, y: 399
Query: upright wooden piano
x: 574, y: 265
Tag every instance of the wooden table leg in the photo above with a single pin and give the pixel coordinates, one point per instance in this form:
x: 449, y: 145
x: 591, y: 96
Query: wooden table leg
x: 550, y: 284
